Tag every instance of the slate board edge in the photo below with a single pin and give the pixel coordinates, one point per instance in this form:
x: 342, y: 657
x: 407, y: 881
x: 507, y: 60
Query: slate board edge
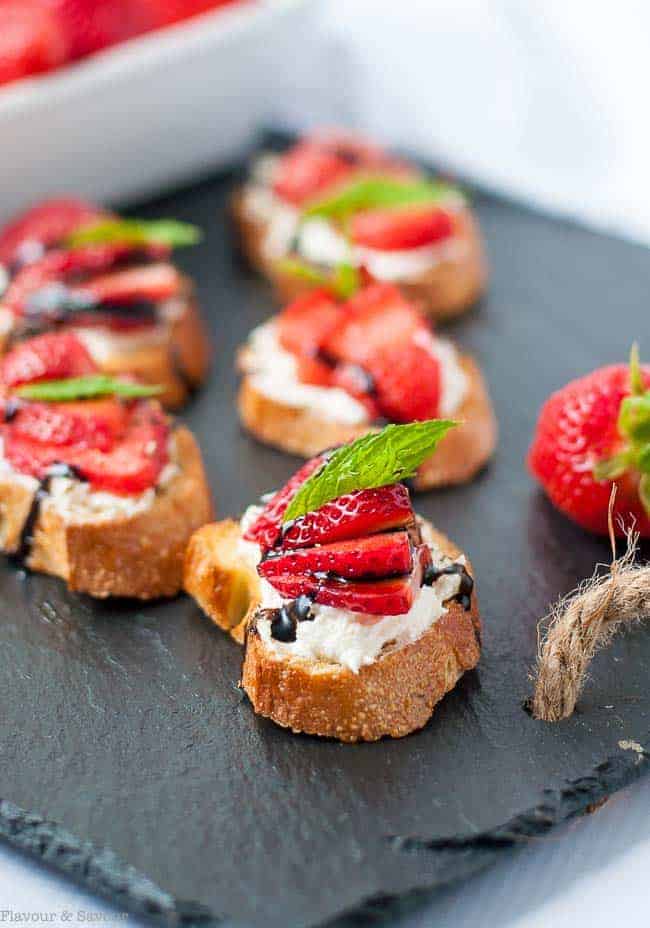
x: 101, y: 871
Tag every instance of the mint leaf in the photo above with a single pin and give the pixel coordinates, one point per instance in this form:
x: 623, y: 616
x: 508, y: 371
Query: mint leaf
x: 375, y: 460
x: 344, y: 283
x: 136, y: 232
x: 376, y: 192
x: 83, y: 388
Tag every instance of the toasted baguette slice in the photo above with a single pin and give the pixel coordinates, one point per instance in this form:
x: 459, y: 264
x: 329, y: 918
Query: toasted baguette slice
x: 447, y: 290
x: 393, y: 696
x: 298, y: 430
x: 136, y: 556
x: 176, y: 358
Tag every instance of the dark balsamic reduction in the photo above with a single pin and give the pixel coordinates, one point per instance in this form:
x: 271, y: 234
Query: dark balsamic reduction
x: 284, y: 621
x: 12, y: 407
x: 464, y: 594
x: 26, y: 540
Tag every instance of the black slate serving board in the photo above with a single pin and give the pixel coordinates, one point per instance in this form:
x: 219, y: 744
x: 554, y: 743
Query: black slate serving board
x: 123, y: 724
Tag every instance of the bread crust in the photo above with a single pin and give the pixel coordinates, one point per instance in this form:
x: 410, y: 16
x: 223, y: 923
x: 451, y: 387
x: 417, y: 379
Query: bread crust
x: 226, y: 588
x: 179, y: 363
x: 393, y: 696
x: 460, y: 455
x: 138, y: 556
x: 445, y: 291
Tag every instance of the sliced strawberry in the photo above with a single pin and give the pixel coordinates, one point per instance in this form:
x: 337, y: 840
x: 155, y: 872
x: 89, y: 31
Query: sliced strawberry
x: 88, y: 423
x: 31, y: 40
x: 152, y: 282
x: 381, y: 555
x: 47, y: 357
x: 407, y: 380
x: 359, y: 384
x: 371, y: 598
x: 304, y: 326
x: 401, y: 229
x: 377, y: 317
x: 92, y: 25
x: 306, y: 170
x: 351, y: 516
x: 266, y: 529
x: 131, y: 465
x: 44, y: 226
x: 73, y: 266
x: 313, y: 371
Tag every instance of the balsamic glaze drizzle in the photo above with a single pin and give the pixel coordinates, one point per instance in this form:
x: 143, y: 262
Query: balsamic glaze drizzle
x: 284, y: 621
x: 26, y: 540
x: 464, y: 594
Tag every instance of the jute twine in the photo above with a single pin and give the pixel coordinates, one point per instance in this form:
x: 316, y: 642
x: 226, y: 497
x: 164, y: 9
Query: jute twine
x: 584, y: 621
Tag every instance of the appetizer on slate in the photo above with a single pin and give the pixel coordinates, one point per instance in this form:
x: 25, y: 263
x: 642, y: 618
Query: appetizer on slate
x: 96, y: 485
x: 333, y: 198
x: 357, y: 616
x: 592, y: 433
x: 327, y: 370
x: 68, y: 264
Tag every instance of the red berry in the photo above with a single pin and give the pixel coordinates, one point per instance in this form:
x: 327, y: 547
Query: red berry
x: 31, y: 40
x: 92, y: 25
x: 359, y: 384
x: 401, y: 229
x: 45, y: 225
x: 153, y: 283
x: 577, y: 429
x: 353, y: 515
x: 314, y: 372
x: 87, y: 423
x: 76, y: 265
x: 371, y: 598
x: 47, y: 357
x: 306, y: 324
x: 380, y: 555
x: 376, y: 318
x: 307, y: 170
x: 407, y: 382
x: 266, y: 528
x: 129, y: 464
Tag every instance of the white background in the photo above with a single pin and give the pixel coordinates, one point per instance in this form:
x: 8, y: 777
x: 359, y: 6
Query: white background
x: 546, y: 100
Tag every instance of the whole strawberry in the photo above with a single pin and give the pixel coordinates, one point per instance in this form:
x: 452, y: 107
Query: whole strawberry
x: 592, y: 433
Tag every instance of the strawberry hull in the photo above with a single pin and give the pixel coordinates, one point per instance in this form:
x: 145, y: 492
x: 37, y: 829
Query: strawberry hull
x: 382, y: 555
x: 364, y: 512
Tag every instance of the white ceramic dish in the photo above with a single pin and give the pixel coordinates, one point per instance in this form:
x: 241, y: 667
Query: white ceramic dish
x: 150, y: 112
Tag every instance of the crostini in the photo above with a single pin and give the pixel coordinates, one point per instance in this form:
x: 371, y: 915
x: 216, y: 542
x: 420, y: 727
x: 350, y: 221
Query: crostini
x: 325, y: 371
x: 97, y: 486
x: 334, y: 198
x: 69, y: 264
x: 356, y: 615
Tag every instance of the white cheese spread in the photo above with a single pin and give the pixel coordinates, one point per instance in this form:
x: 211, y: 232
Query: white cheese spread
x: 273, y: 373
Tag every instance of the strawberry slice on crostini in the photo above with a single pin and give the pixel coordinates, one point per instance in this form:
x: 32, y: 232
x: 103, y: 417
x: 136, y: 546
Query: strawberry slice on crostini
x: 117, y: 444
x: 401, y: 229
x: 46, y: 357
x: 29, y: 236
x: 352, y: 515
x: 373, y: 556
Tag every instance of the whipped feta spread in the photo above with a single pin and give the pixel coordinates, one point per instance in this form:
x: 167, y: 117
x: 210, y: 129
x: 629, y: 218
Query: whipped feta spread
x: 103, y: 344
x: 273, y: 373
x: 77, y: 503
x: 318, y: 241
x: 351, y: 639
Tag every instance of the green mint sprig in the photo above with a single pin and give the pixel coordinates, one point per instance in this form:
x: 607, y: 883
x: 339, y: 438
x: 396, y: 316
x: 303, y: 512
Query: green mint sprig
x: 84, y: 388
x: 634, y: 428
x: 136, y: 232
x: 379, y: 192
x: 343, y: 283
x: 375, y: 460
